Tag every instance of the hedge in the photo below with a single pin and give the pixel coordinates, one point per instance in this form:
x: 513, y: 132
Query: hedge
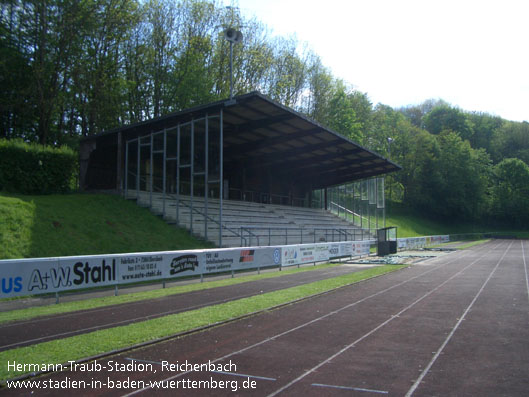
x: 29, y: 168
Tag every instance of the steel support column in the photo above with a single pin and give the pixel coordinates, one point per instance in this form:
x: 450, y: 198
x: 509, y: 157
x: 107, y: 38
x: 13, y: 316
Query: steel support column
x: 221, y: 177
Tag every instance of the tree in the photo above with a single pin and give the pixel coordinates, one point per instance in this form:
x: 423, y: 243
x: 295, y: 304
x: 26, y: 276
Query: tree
x: 511, y: 192
x: 512, y: 141
x: 101, y: 81
x: 43, y: 37
x: 287, y: 74
x: 464, y: 178
x: 341, y: 116
x: 161, y: 47
x: 320, y: 83
x: 256, y: 58
x: 486, y: 128
x: 446, y: 118
x: 17, y: 108
x: 416, y: 113
x: 417, y: 152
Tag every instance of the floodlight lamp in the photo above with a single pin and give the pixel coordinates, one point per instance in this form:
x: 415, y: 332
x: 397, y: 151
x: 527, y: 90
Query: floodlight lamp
x: 233, y: 36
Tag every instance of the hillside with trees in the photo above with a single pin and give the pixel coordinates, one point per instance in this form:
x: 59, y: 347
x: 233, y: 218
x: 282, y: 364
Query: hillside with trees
x: 69, y: 69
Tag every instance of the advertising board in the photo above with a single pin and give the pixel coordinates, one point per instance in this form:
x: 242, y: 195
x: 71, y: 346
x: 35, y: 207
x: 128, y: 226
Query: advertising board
x: 23, y: 277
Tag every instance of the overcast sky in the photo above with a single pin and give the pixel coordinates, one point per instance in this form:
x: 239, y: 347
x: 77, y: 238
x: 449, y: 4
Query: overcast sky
x: 472, y: 53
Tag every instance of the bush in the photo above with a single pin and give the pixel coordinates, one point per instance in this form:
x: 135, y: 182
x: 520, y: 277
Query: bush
x: 30, y: 168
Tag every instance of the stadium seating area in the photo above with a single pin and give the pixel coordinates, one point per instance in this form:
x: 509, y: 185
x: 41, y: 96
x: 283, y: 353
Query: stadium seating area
x: 248, y: 223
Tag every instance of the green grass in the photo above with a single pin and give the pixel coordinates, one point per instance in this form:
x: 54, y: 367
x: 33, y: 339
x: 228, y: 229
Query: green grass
x: 98, y: 342
x: 414, y: 224
x: 472, y: 244
x: 83, y: 224
x: 69, y: 307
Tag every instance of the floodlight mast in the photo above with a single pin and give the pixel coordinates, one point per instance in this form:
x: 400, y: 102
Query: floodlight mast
x: 234, y: 37
x: 390, y: 141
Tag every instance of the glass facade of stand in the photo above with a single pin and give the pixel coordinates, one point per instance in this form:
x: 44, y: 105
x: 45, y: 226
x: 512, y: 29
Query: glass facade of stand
x: 177, y: 172
x: 361, y: 202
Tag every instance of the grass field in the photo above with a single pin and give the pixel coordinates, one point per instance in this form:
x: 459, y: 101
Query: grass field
x: 83, y: 224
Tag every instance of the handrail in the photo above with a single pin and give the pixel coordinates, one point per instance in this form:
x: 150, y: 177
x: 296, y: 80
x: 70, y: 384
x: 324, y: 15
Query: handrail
x: 329, y: 233
x: 346, y: 209
x: 257, y: 197
x: 349, y: 211
x: 369, y: 222
x: 250, y: 233
x: 204, y: 215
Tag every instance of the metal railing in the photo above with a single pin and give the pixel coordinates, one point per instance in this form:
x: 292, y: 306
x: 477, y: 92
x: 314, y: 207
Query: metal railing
x: 190, y: 207
x: 265, y: 198
x: 266, y: 236
x: 351, y: 216
x: 256, y: 235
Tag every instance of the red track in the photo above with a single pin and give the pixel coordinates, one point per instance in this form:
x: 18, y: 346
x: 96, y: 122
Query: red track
x: 455, y: 325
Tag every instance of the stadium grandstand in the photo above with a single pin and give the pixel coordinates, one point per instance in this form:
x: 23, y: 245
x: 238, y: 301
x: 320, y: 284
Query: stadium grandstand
x: 242, y: 172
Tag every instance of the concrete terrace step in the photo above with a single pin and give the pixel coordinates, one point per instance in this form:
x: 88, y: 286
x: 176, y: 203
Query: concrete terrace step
x: 268, y: 224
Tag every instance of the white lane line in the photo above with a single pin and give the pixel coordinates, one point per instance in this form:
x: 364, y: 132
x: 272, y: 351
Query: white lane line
x: 309, y: 322
x: 130, y: 320
x: 381, y: 325
x: 525, y: 268
x: 244, y: 375
x: 84, y: 312
x: 115, y: 323
x: 62, y: 316
x: 451, y: 334
x: 350, y: 388
x: 107, y: 308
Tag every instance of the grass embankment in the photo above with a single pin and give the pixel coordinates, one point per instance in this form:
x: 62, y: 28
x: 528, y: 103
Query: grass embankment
x: 414, y: 224
x: 98, y: 342
x: 83, y: 224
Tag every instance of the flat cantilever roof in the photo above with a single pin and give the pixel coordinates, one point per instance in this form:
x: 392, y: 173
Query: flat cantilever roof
x: 260, y: 132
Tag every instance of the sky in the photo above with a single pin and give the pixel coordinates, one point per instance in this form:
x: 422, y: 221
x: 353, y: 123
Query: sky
x: 472, y: 54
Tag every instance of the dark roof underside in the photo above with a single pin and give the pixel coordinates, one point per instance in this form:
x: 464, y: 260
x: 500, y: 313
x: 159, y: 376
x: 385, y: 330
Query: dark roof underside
x: 274, y: 136
x: 262, y: 132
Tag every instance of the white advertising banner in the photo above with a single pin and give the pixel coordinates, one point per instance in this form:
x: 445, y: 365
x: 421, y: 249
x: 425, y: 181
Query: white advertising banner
x: 306, y: 253
x: 361, y: 248
x: 321, y: 252
x: 48, y: 275
x: 24, y: 277
x: 229, y: 259
x: 337, y: 249
x: 173, y: 264
x: 420, y: 242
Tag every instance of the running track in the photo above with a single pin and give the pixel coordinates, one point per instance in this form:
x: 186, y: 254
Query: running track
x: 457, y: 325
x: 43, y: 329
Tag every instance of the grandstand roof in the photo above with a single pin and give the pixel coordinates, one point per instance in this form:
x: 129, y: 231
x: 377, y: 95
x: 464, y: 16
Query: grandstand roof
x: 259, y: 132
